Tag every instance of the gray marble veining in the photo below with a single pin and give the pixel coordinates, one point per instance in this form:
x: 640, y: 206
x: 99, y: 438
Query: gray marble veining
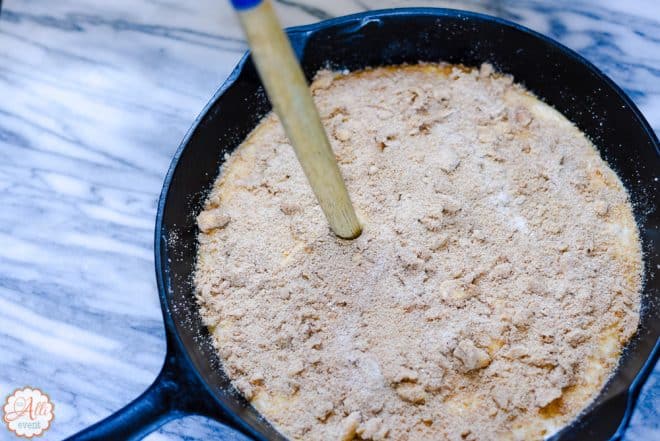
x: 94, y: 99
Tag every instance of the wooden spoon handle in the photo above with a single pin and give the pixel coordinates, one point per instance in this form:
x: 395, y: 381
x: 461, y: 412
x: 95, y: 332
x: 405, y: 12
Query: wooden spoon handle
x: 289, y: 93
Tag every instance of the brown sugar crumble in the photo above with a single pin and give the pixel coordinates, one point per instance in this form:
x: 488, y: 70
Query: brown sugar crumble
x: 494, y: 285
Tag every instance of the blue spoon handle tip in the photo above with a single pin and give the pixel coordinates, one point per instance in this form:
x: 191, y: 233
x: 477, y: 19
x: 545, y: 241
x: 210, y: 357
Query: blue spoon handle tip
x: 241, y: 5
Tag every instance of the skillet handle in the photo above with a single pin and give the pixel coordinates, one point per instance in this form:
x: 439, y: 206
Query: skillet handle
x: 174, y: 393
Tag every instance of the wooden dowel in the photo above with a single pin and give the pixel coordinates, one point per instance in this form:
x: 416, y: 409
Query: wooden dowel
x: 292, y: 100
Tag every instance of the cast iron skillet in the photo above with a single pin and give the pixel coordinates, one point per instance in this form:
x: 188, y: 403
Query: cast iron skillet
x: 192, y: 379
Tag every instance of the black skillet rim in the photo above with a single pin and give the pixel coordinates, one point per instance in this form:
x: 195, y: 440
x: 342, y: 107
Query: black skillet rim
x: 162, y: 272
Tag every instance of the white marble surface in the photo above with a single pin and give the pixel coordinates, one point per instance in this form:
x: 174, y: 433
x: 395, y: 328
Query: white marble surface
x: 94, y: 99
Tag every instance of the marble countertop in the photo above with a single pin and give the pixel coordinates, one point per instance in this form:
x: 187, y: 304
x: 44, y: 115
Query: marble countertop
x: 94, y: 99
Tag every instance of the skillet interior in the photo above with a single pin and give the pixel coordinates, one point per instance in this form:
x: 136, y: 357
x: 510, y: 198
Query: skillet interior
x: 558, y: 76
